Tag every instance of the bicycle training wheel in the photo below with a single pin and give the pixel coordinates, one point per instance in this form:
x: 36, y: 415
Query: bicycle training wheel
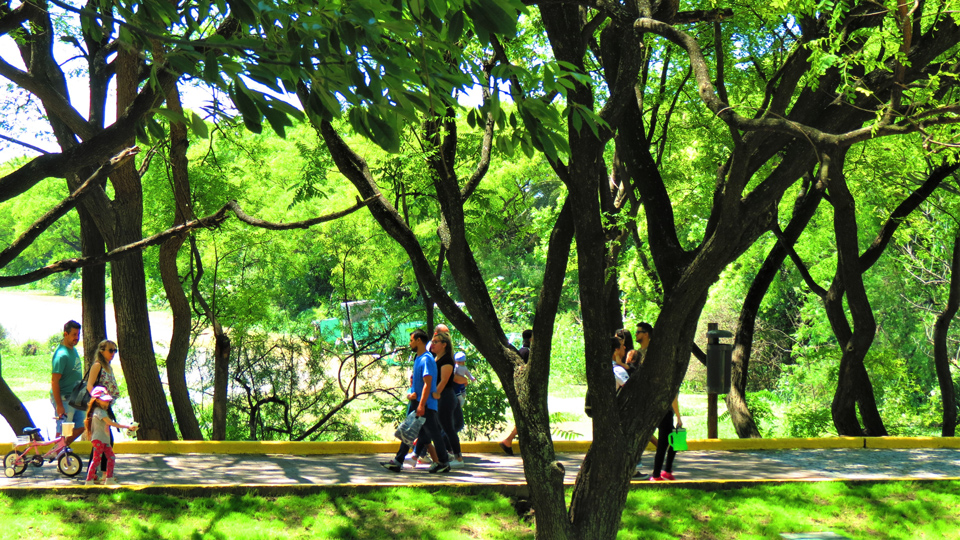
x: 69, y: 464
x: 10, y: 462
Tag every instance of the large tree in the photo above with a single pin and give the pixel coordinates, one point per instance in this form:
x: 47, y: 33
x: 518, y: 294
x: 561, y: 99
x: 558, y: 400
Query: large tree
x: 831, y: 80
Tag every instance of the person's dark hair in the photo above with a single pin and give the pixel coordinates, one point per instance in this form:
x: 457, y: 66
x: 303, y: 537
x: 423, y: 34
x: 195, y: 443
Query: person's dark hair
x: 527, y: 334
x: 71, y: 324
x: 624, y: 334
x: 615, y: 343
x: 420, y: 336
x: 646, y: 327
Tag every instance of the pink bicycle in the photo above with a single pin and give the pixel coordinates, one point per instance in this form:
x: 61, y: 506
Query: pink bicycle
x: 15, y: 462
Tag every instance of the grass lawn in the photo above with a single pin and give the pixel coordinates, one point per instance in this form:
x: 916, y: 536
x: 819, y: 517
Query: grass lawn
x: 27, y: 376
x: 905, y: 510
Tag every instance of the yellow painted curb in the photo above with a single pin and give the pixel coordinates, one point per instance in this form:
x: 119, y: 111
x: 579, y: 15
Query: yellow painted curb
x: 912, y: 442
x: 774, y: 444
x: 493, y: 447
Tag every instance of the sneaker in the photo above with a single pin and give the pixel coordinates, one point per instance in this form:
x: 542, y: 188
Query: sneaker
x: 424, y: 461
x: 657, y: 478
x: 639, y: 474
x: 391, y: 465
x: 667, y: 476
x: 411, y: 455
x: 90, y: 482
x: 110, y: 482
x: 439, y: 468
x: 456, y: 463
x: 507, y: 449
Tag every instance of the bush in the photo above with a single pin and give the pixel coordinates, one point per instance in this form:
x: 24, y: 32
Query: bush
x: 567, y: 352
x: 810, y: 422
x: 4, y: 341
x: 54, y: 341
x: 31, y: 347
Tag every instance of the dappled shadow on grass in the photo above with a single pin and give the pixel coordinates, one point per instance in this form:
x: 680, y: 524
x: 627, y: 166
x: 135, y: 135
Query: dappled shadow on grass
x: 427, y: 513
x: 857, y: 509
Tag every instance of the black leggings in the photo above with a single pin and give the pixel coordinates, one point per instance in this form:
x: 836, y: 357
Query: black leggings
x: 663, y: 446
x: 446, y: 416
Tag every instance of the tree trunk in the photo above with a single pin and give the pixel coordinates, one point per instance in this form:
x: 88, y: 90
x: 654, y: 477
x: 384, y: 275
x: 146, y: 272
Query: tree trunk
x: 93, y: 288
x: 221, y: 376
x: 940, y: 355
x: 221, y: 351
x: 853, y: 383
x: 182, y: 319
x: 806, y: 206
x: 12, y: 409
x: 129, y: 285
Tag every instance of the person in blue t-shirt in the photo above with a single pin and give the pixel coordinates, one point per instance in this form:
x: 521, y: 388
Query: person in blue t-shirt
x: 66, y: 372
x: 424, y: 384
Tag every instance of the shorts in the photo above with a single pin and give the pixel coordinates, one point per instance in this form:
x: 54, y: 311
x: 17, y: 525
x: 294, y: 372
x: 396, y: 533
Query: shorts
x: 77, y: 416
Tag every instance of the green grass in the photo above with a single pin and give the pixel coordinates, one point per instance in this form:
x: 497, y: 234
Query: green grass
x: 388, y: 513
x: 893, y: 510
x: 27, y: 376
x: 897, y: 510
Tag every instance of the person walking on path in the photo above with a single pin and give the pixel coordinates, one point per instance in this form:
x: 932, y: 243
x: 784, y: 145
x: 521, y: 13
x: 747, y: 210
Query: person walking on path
x: 461, y: 378
x: 446, y: 398
x: 507, y: 443
x: 663, y: 460
x: 99, y: 423
x: 101, y: 374
x: 619, y: 367
x: 421, y: 393
x: 66, y: 372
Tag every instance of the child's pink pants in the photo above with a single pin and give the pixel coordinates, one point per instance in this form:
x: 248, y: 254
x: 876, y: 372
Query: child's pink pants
x: 99, y: 450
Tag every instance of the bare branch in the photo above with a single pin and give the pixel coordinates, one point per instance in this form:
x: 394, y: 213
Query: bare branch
x: 64, y: 206
x: 212, y: 220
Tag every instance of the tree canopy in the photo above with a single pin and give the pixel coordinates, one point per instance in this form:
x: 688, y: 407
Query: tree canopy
x: 637, y: 152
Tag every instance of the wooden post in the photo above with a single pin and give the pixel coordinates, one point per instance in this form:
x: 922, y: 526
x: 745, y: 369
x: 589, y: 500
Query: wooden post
x: 711, y: 397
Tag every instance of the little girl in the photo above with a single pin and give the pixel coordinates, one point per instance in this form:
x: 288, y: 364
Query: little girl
x: 98, y: 424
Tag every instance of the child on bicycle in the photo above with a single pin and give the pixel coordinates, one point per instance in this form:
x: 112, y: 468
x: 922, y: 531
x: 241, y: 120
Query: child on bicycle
x: 98, y: 424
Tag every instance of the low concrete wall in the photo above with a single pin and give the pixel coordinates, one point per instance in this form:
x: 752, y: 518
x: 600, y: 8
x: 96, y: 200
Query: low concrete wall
x: 493, y: 447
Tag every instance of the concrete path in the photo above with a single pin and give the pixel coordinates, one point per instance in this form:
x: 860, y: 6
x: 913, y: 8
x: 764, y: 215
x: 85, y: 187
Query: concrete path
x: 691, y: 468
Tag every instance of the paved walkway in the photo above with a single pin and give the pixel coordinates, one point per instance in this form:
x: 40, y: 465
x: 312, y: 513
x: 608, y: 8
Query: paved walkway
x: 287, y: 471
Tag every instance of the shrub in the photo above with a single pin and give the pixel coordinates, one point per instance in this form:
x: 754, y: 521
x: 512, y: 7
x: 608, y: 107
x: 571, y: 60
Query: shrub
x: 31, y: 347
x: 54, y: 341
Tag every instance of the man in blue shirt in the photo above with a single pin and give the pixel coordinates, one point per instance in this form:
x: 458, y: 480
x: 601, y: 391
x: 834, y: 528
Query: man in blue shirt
x: 66, y: 372
x: 424, y: 384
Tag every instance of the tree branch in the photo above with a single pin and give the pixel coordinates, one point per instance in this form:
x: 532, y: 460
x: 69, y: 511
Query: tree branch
x: 212, y: 220
x: 64, y: 206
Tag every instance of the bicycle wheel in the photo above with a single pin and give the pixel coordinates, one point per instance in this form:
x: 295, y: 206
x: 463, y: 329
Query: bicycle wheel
x: 12, y: 461
x: 69, y: 464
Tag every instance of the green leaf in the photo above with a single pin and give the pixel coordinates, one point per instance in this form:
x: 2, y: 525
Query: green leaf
x: 438, y: 7
x: 198, y: 126
x: 491, y: 17
x: 155, y: 129
x: 454, y: 27
x: 246, y: 106
x: 171, y: 116
x: 242, y: 11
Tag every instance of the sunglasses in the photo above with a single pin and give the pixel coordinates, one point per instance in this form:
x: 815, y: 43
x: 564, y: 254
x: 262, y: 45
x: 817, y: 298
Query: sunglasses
x: 110, y: 350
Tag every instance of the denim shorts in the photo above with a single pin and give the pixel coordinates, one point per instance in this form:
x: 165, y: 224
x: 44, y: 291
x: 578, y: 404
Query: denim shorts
x: 76, y: 416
